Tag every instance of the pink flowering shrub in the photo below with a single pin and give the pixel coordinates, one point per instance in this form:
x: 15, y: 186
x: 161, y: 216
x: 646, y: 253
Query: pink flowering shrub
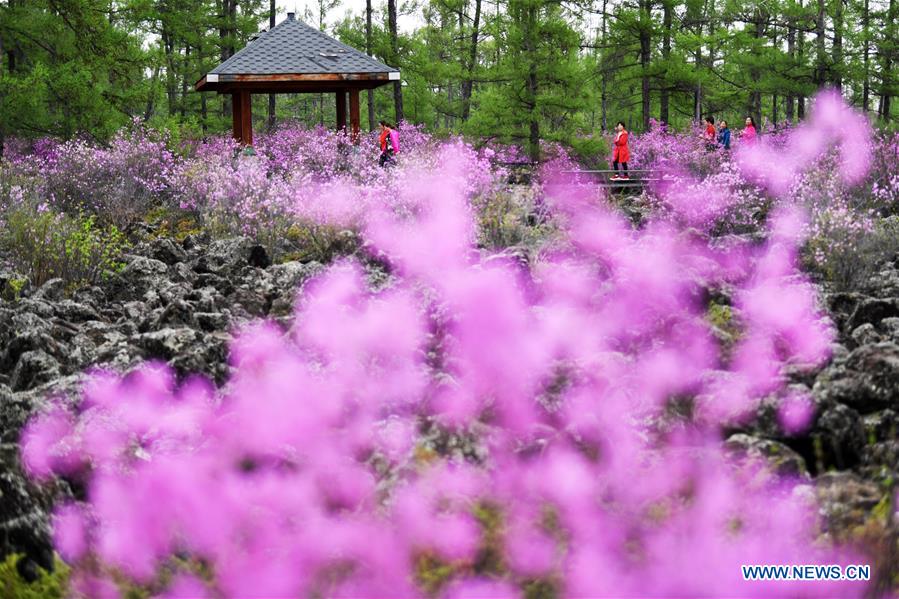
x: 322, y: 468
x: 118, y: 183
x: 318, y: 177
x: 832, y: 166
x: 885, y: 174
x: 664, y: 150
x: 295, y: 177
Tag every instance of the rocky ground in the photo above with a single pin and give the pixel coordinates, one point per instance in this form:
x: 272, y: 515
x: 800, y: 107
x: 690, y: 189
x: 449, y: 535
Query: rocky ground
x: 851, y: 453
x: 173, y: 302
x: 179, y: 302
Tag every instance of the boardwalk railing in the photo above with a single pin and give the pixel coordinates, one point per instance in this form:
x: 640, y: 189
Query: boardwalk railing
x: 637, y: 178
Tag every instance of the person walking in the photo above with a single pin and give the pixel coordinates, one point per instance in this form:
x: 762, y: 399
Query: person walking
x: 394, y: 140
x: 749, y: 134
x: 709, y: 133
x: 386, y: 146
x: 723, y: 135
x: 620, y: 154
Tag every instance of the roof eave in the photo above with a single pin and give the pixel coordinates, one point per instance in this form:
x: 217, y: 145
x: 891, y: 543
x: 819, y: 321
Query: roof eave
x: 215, y: 81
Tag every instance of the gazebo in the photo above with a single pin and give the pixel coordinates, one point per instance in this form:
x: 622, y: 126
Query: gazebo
x: 293, y: 57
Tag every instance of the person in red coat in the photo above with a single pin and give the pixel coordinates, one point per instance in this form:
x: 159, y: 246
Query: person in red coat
x: 749, y: 133
x: 387, y: 148
x: 620, y: 155
x: 710, y: 133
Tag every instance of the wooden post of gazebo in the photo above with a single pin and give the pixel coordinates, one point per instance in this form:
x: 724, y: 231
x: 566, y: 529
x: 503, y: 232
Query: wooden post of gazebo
x: 242, y: 116
x: 295, y: 58
x: 341, y: 110
x: 354, y: 114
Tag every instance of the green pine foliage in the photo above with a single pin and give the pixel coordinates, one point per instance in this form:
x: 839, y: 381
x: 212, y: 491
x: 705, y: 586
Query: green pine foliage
x: 521, y: 71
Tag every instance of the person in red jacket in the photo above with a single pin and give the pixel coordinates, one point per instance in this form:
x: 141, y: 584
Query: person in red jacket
x: 386, y: 158
x: 710, y: 134
x: 620, y: 155
x: 749, y: 133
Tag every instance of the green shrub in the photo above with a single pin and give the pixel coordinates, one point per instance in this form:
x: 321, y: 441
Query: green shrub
x: 509, y: 219
x: 43, y: 244
x: 313, y: 242
x: 848, y: 259
x: 47, y: 586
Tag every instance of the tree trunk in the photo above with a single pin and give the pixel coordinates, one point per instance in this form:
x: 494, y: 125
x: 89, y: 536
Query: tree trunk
x: 227, y: 32
x: 697, y: 61
x: 645, y: 40
x: 271, y: 97
x: 468, y: 84
x: 394, y: 51
x: 886, y: 82
x: 821, y: 55
x: 371, y: 92
x: 603, y: 98
x: 755, y: 94
x: 530, y: 49
x: 666, y: 54
x: 800, y: 53
x: 184, y: 81
x: 837, y: 71
x: 168, y: 46
x: 791, y: 52
x: 148, y: 112
x: 2, y: 134
x: 774, y: 111
x: 866, y: 57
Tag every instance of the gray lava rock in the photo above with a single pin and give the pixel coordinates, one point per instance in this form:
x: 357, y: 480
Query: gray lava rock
x: 848, y: 504
x: 882, y: 455
x: 841, y: 306
x: 208, y: 356
x: 38, y: 307
x: 75, y: 312
x: 34, y: 368
x: 780, y: 458
x: 868, y: 380
x: 206, y: 299
x: 167, y: 343
x: 840, y: 437
x: 176, y: 314
x: 881, y: 426
x: 889, y: 328
x: 226, y: 257
x: 249, y: 302
x: 52, y: 291
x: 872, y: 310
x: 167, y: 251
x: 865, y: 334
x: 290, y: 275
x: 140, y: 276
x: 33, y: 339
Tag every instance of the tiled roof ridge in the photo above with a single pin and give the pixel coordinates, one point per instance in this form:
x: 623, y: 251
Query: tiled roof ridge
x: 242, y: 60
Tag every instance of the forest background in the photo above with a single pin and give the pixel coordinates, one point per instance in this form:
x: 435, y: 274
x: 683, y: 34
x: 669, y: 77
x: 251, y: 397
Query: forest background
x: 514, y: 71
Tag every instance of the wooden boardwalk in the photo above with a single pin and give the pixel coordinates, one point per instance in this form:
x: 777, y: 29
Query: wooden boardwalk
x: 637, y: 181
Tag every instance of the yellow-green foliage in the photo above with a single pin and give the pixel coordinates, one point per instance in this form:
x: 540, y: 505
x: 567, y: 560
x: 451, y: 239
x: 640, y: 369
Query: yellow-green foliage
x: 43, y: 244
x: 720, y: 315
x: 13, y: 288
x: 432, y: 573
x: 48, y: 586
x: 177, y: 224
x: 722, y: 318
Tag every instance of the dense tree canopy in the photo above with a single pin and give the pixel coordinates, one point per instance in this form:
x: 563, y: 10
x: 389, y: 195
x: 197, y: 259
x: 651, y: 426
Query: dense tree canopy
x: 513, y: 70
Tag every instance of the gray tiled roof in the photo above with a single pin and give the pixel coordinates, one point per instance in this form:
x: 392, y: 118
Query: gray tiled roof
x: 294, y: 47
